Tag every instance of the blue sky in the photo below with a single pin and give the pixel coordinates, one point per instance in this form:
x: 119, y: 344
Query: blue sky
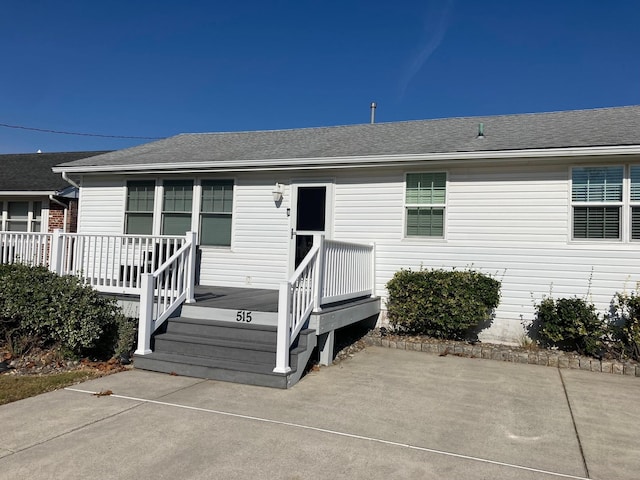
x: 159, y: 68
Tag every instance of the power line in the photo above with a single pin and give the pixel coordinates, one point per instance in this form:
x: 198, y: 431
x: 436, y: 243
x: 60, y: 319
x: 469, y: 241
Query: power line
x: 59, y: 132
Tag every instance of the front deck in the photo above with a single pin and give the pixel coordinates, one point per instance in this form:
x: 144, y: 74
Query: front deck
x: 237, y: 334
x: 230, y: 333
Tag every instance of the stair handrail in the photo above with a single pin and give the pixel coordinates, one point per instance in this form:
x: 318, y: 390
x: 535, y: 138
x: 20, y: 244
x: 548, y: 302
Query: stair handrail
x: 164, y: 290
x: 299, y: 296
x: 314, y: 284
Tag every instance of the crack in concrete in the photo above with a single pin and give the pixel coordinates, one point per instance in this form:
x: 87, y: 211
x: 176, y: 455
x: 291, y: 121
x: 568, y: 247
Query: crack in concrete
x: 575, y: 426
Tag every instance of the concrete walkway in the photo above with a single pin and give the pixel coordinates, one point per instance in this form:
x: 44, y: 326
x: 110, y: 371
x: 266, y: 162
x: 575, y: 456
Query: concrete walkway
x: 383, y: 414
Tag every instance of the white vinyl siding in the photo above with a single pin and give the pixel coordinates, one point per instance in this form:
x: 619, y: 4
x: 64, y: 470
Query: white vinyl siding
x: 597, y: 196
x: 102, y: 205
x: 425, y: 204
x: 216, y: 209
x: 514, y: 222
x: 261, y: 237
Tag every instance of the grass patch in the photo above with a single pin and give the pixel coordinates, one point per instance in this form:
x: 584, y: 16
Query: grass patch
x: 17, y: 387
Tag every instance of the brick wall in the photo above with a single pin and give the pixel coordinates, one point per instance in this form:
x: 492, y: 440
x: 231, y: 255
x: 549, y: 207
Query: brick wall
x: 56, y: 217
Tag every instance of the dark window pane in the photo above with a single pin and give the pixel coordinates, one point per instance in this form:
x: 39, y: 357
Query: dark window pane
x: 425, y: 222
x: 215, y: 229
x: 311, y: 209
x: 176, y: 223
x: 596, y: 222
x: 139, y: 223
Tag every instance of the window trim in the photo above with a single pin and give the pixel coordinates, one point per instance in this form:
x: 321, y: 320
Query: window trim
x: 158, y: 203
x: 625, y: 206
x: 231, y: 214
x: 153, y: 210
x: 184, y: 213
x: 31, y: 217
x: 406, y: 206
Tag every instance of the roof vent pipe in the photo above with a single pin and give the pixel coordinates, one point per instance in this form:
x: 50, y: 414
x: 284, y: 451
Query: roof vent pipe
x: 373, y: 112
x: 481, y: 130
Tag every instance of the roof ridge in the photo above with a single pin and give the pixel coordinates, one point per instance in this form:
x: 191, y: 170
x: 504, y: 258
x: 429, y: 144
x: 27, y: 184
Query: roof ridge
x: 399, y: 122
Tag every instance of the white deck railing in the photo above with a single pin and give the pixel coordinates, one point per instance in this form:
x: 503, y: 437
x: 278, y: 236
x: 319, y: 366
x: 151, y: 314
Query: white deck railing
x: 332, y: 271
x: 348, y: 271
x: 164, y: 290
x: 161, y: 269
x: 111, y: 263
x: 28, y: 248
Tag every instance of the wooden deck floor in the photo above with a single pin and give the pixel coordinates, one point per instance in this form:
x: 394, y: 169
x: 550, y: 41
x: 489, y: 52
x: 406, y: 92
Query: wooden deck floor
x: 256, y: 299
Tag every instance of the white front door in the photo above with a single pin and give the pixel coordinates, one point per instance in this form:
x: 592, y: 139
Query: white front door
x: 311, y: 207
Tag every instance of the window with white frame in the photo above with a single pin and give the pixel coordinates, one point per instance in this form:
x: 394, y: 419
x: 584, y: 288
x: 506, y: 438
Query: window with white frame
x: 634, y: 201
x: 597, y: 201
x: 176, y: 207
x: 139, y: 207
x: 21, y: 216
x: 425, y: 203
x: 216, y: 206
x: 36, y: 217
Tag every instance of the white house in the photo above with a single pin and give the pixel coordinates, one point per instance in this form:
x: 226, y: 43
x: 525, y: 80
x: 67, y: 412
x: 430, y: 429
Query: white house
x: 549, y: 203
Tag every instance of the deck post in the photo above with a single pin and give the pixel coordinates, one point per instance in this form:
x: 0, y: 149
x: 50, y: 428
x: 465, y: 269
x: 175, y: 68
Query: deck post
x: 145, y: 322
x: 373, y: 269
x: 319, y: 272
x: 284, y: 329
x: 191, y: 268
x: 325, y: 345
x: 55, y: 255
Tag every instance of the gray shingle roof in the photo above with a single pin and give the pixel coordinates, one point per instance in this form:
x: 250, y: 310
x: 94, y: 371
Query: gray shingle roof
x: 577, y: 128
x: 31, y: 172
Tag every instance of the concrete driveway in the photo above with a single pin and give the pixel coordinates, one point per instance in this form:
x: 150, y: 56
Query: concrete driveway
x: 382, y: 414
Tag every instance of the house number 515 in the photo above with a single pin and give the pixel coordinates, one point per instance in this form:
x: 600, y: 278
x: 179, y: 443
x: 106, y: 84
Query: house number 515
x: 243, y: 316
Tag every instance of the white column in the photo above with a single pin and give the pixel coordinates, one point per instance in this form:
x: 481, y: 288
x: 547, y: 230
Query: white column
x: 373, y: 269
x: 284, y: 329
x: 318, y: 240
x: 145, y: 322
x: 191, y: 267
x: 55, y: 255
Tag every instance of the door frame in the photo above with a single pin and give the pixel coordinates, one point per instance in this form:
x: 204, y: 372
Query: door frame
x: 329, y: 184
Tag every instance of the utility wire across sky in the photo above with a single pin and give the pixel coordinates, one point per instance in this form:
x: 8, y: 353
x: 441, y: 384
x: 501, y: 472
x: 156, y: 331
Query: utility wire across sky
x: 59, y: 132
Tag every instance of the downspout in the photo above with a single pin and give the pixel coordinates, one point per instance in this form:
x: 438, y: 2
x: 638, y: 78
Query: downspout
x: 65, y: 208
x: 66, y: 178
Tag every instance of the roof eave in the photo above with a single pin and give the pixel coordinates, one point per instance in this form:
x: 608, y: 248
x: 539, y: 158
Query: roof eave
x: 358, y: 161
x: 27, y: 193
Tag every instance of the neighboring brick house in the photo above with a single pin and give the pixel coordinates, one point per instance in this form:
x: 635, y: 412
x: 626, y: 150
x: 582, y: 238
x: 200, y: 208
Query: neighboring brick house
x: 32, y: 197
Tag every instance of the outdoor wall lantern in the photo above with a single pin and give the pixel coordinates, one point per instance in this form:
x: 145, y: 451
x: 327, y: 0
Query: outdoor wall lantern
x: 278, y: 192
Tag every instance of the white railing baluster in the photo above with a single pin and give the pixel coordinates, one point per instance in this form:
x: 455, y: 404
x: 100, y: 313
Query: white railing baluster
x: 167, y: 287
x: 332, y: 271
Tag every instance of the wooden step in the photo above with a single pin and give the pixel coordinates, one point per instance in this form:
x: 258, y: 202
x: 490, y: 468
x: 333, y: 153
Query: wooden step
x: 217, y: 347
x: 221, y: 350
x: 215, y: 328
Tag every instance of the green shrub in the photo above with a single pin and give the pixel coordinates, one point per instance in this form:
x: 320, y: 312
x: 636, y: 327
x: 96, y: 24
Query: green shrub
x: 568, y: 324
x: 625, y: 321
x: 40, y: 308
x: 441, y: 303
